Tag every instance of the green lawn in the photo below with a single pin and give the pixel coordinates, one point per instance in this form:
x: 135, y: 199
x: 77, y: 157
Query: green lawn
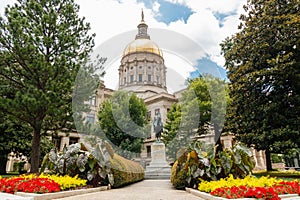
x: 10, y: 174
x: 285, y: 175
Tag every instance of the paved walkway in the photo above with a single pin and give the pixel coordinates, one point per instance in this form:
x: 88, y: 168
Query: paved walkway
x: 147, y: 189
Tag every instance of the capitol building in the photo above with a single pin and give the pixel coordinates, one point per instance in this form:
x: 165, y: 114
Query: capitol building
x: 142, y: 70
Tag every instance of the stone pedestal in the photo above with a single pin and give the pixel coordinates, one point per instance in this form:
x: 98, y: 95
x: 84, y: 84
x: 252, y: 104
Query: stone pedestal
x: 158, y: 168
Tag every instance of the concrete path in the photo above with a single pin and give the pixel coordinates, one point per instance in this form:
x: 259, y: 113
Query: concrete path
x: 147, y: 189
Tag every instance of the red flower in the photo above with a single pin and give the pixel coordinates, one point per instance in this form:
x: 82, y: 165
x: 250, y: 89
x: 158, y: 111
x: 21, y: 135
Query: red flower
x: 35, y: 185
x: 267, y: 193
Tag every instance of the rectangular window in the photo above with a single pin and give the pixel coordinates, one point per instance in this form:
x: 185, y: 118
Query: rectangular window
x: 124, y: 80
x: 93, y: 101
x: 157, y: 79
x: 57, y: 142
x: 148, y: 151
x: 90, y: 118
x: 140, y: 78
x: 149, y: 78
x: 131, y: 78
x: 149, y: 116
x: 73, y: 140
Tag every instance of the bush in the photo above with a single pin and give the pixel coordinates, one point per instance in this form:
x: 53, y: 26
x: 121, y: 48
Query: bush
x: 93, y: 165
x: 201, y: 163
x: 19, y: 167
x: 99, y: 166
x: 125, y: 171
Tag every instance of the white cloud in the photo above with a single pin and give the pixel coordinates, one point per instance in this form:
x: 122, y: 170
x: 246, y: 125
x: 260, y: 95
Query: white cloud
x: 109, y: 18
x: 155, y: 7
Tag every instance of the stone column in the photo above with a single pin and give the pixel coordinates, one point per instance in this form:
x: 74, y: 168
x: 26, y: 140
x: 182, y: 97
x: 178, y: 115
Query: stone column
x: 64, y: 141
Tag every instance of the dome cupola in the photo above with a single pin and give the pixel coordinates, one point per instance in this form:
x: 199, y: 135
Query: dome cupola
x: 142, y: 42
x: 142, y: 66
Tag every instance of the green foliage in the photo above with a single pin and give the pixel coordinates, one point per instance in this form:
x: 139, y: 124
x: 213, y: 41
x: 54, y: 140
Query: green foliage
x: 99, y: 165
x: 43, y: 43
x: 289, y: 157
x: 201, y: 107
x: 125, y: 171
x: 123, y: 120
x: 279, y: 174
x: 263, y: 67
x: 169, y: 136
x: 276, y: 158
x: 201, y: 163
x: 93, y: 165
x: 15, y: 137
x: 19, y: 167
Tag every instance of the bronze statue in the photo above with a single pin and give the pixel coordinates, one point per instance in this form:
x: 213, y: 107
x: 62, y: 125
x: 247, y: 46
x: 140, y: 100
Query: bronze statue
x: 158, y: 126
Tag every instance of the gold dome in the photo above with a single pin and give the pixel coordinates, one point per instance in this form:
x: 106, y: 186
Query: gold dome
x: 142, y: 45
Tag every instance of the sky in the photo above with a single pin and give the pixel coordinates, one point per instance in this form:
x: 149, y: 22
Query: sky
x: 191, y: 26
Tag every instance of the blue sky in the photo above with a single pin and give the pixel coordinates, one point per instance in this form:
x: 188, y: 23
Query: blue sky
x: 169, y: 12
x: 206, y: 22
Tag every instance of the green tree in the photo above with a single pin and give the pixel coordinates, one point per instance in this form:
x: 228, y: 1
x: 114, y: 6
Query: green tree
x: 201, y: 108
x: 43, y: 43
x: 15, y: 137
x: 123, y: 119
x: 169, y: 136
x: 263, y: 62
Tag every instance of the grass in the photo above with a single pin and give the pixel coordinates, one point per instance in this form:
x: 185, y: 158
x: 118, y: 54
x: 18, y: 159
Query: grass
x: 9, y: 174
x: 288, y: 175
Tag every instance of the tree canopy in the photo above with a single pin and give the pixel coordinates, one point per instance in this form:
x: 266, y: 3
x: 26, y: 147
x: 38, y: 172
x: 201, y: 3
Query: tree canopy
x: 201, y: 110
x: 263, y: 62
x: 43, y: 43
x: 123, y: 121
x: 15, y: 137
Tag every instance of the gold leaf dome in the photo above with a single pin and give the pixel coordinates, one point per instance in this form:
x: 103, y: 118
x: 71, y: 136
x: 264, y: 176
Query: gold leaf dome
x: 142, y: 45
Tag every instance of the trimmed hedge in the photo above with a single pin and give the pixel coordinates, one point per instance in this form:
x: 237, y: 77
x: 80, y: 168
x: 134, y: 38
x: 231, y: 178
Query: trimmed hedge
x: 180, y: 169
x: 125, y: 171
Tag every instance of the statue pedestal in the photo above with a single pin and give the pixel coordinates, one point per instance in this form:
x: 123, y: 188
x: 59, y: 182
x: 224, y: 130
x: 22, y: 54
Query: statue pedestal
x: 158, y: 168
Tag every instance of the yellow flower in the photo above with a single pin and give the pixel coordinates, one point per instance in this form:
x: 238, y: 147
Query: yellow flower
x: 66, y: 182
x: 248, y: 181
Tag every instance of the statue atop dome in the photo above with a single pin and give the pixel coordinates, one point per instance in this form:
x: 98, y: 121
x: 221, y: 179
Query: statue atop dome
x: 142, y: 29
x: 142, y: 15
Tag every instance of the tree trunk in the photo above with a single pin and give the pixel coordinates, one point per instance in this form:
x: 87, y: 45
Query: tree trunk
x: 35, y: 151
x: 268, y: 160
x: 3, y: 161
x: 218, y: 139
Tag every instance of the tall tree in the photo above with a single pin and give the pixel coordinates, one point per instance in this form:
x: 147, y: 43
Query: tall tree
x: 170, y: 136
x: 263, y: 62
x: 123, y: 120
x: 202, y: 108
x: 43, y: 43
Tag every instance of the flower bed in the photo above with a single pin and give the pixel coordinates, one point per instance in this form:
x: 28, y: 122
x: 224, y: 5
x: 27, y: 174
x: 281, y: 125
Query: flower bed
x: 250, y: 187
x: 39, y: 184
